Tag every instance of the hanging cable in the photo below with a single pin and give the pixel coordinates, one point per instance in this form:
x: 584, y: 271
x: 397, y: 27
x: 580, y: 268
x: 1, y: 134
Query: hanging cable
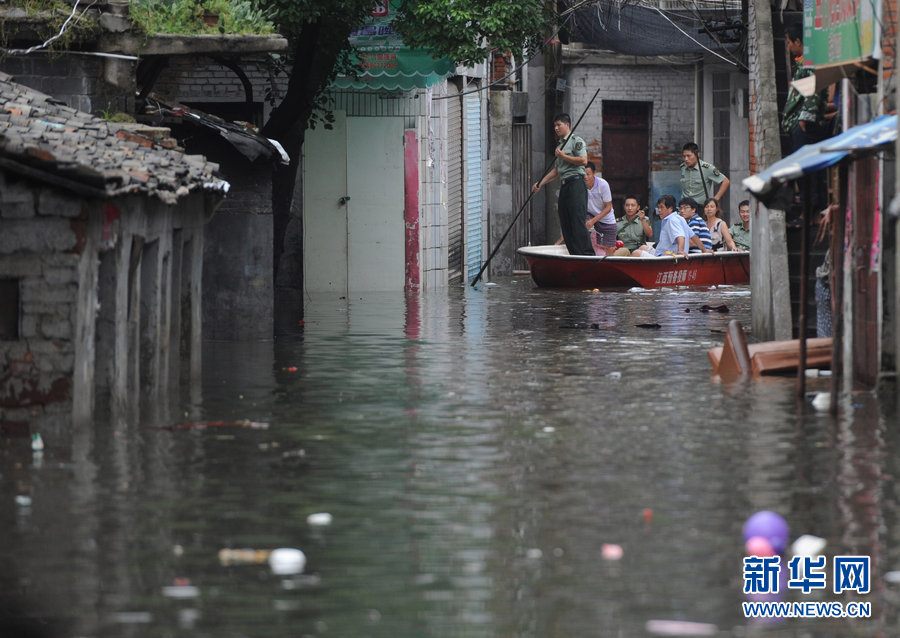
x: 62, y: 30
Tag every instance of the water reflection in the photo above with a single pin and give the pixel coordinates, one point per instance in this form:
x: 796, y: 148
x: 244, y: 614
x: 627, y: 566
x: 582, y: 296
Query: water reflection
x: 476, y: 449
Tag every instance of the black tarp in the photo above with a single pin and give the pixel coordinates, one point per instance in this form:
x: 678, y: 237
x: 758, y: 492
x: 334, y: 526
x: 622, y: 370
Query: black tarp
x: 640, y: 29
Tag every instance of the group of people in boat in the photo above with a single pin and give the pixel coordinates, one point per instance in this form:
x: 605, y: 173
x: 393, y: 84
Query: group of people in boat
x: 589, y: 225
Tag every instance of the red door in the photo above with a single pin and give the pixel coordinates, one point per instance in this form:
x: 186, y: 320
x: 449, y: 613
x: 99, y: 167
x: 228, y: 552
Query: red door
x: 626, y: 150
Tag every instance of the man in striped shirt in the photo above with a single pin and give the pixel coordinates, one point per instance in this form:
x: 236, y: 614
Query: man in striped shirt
x: 701, y: 242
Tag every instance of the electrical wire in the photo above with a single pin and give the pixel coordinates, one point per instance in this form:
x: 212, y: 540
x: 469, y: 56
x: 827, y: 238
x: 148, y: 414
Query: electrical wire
x: 703, y: 46
x: 47, y: 43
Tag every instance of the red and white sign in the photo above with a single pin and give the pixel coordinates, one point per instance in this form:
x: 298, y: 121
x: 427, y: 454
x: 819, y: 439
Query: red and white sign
x: 380, y: 10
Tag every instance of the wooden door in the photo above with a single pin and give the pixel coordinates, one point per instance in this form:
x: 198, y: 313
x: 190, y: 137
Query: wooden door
x: 626, y: 150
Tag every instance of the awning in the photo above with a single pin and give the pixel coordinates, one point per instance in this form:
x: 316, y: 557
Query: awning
x: 399, y: 70
x: 769, y: 185
x: 387, y: 63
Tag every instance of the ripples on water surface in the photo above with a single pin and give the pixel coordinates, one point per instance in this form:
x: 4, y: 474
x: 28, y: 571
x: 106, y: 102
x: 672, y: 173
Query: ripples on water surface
x: 476, y: 449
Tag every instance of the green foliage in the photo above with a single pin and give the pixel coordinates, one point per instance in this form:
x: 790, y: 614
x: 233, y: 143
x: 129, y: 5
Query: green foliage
x: 185, y: 17
x: 42, y: 21
x: 467, y: 30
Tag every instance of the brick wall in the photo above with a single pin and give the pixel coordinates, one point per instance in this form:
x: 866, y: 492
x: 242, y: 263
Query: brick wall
x: 202, y: 80
x: 77, y: 81
x: 670, y: 89
x: 42, y: 234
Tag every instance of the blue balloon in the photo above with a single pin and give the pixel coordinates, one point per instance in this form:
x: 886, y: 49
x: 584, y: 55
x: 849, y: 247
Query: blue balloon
x: 770, y: 526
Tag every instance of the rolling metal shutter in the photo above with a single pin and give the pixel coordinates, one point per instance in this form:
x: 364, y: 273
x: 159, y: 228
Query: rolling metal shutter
x: 454, y: 190
x: 474, y: 200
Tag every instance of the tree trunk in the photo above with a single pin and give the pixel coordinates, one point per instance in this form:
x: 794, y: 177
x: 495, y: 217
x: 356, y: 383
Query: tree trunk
x: 316, y: 53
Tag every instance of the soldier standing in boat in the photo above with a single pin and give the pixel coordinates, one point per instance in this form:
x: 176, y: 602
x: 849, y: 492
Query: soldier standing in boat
x: 571, y: 158
x: 700, y: 180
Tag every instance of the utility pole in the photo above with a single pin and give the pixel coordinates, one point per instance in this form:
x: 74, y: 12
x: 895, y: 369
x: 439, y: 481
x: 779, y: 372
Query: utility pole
x: 771, y: 307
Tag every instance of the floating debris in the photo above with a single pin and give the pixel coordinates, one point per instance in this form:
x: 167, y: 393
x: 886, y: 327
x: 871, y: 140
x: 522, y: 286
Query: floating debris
x: 808, y: 545
x: 287, y: 560
x: 822, y: 401
x: 243, y: 556
x: 654, y: 326
x: 680, y: 628
x: 611, y: 551
x: 759, y: 546
x: 707, y: 308
x: 37, y: 443
x: 319, y: 519
x: 181, y: 591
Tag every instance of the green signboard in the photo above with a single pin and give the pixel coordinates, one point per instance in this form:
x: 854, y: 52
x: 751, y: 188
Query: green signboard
x: 388, y: 63
x: 838, y: 31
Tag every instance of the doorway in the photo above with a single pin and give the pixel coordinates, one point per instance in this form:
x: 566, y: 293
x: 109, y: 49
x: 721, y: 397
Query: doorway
x: 353, y: 206
x: 626, y: 142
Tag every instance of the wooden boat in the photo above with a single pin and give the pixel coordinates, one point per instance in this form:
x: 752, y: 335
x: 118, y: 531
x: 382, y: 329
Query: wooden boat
x: 554, y: 267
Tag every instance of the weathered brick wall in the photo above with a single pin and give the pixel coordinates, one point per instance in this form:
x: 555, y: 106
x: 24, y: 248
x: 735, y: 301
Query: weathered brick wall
x: 39, y: 247
x: 203, y: 80
x: 78, y: 81
x: 671, y: 91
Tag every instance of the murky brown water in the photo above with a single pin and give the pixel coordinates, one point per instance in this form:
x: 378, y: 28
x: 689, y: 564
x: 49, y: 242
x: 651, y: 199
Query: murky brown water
x: 476, y: 450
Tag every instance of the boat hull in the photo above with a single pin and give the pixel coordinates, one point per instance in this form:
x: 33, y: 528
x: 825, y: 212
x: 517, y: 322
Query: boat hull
x: 554, y: 267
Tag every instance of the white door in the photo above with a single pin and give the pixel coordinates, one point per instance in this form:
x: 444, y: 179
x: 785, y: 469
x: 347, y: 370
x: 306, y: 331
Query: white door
x: 353, y: 222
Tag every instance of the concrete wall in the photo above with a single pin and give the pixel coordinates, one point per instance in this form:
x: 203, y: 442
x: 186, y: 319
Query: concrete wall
x: 108, y: 297
x: 501, y: 194
x: 238, y: 277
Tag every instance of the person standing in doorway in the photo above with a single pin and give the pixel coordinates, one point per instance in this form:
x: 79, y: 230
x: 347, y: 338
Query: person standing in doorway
x: 571, y: 158
x: 700, y: 180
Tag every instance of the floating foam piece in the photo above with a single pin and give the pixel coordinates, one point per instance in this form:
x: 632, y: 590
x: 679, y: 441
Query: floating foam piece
x: 808, y: 545
x: 319, y: 519
x: 287, y: 560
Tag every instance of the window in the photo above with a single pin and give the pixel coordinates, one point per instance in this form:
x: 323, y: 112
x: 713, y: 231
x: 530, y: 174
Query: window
x: 9, y: 309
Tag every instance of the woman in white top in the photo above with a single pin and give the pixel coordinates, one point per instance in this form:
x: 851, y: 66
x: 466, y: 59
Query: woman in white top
x: 600, y: 215
x: 718, y: 229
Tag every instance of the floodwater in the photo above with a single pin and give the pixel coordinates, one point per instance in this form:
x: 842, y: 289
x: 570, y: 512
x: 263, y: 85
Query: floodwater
x: 476, y: 450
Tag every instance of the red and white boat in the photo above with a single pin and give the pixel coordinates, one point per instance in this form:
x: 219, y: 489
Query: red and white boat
x: 554, y: 267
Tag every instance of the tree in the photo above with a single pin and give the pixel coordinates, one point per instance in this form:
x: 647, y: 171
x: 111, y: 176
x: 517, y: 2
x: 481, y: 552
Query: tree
x: 319, y: 30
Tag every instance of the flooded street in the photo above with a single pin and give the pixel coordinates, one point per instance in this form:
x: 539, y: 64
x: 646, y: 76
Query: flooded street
x: 476, y: 450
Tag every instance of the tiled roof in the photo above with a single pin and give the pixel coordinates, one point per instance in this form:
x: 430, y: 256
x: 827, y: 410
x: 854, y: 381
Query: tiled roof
x: 44, y: 139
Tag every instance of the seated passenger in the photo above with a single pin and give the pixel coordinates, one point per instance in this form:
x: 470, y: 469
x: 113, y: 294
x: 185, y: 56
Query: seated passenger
x: 632, y: 229
x: 740, y: 233
x: 674, y: 232
x: 701, y: 241
x: 718, y: 228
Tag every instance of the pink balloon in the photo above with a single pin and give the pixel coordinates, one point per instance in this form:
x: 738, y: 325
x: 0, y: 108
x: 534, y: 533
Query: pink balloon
x: 759, y: 546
